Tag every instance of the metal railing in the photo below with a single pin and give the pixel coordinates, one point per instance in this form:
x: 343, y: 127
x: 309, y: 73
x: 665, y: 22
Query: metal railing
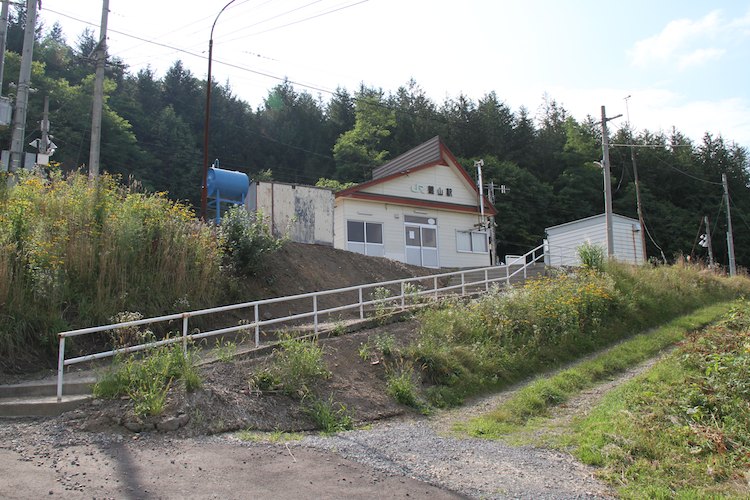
x: 407, y: 287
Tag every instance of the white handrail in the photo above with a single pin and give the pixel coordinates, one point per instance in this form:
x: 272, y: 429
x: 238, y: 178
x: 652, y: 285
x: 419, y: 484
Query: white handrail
x: 315, y: 313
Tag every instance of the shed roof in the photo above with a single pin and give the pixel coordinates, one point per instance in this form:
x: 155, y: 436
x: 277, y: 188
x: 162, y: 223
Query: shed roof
x: 594, y: 219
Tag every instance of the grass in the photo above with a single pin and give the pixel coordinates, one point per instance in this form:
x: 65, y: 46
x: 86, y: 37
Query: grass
x: 400, y: 385
x: 680, y: 430
x: 74, y: 253
x: 297, y: 365
x: 328, y: 415
x: 277, y: 436
x: 507, y: 336
x: 535, y: 399
x: 147, y: 380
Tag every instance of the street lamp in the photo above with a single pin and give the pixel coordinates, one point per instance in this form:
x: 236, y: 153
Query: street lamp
x: 204, y: 188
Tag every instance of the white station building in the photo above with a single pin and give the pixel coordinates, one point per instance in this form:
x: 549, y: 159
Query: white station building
x: 421, y: 208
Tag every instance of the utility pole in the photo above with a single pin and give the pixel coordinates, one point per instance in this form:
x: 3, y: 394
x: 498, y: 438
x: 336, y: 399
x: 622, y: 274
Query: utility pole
x: 607, y: 184
x: 22, y: 94
x: 708, y: 242
x: 730, y: 238
x: 637, y: 184
x: 493, y: 236
x: 3, y: 39
x: 96, y: 115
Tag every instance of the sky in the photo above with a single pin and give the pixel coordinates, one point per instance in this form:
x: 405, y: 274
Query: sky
x: 663, y: 64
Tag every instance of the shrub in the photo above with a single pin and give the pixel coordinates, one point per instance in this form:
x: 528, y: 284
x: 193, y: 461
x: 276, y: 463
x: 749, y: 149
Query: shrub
x: 246, y: 240
x: 330, y: 416
x: 592, y: 256
x: 400, y: 385
x: 73, y: 253
x: 296, y: 366
x: 146, y: 381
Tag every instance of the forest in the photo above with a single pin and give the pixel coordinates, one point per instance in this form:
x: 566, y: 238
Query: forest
x: 152, y: 131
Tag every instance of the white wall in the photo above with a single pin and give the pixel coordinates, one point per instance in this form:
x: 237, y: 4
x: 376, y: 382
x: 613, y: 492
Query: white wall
x: 392, y: 218
x: 415, y: 185
x: 563, y: 240
x: 304, y: 213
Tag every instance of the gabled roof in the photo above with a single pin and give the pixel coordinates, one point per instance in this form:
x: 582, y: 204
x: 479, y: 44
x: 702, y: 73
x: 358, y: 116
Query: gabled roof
x: 428, y: 154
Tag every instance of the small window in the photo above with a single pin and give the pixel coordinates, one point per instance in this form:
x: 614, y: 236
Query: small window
x: 448, y: 192
x: 374, y: 232
x: 355, y: 231
x: 471, y: 241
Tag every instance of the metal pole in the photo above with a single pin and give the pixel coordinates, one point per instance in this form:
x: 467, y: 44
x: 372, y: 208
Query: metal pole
x: 96, y: 114
x: 730, y: 238
x: 22, y: 95
x: 60, y: 368
x: 206, y: 119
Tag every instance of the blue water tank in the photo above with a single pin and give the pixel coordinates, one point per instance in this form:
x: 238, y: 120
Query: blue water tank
x: 228, y: 185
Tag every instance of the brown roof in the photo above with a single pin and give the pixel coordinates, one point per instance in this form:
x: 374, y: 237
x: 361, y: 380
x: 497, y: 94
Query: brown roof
x: 427, y: 152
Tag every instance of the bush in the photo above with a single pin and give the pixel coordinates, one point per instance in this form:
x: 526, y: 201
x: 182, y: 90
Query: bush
x: 592, y: 256
x: 146, y: 381
x: 401, y: 387
x: 74, y: 253
x: 330, y: 416
x: 246, y: 240
x: 502, y: 337
x: 296, y: 366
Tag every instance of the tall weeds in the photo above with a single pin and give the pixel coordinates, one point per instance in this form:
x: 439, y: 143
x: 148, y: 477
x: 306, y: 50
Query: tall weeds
x: 505, y: 336
x: 74, y: 253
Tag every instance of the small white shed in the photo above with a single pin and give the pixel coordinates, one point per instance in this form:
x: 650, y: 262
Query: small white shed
x: 564, y: 239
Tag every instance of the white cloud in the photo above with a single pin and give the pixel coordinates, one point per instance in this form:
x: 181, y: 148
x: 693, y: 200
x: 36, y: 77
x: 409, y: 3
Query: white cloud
x: 698, y: 57
x: 688, y: 43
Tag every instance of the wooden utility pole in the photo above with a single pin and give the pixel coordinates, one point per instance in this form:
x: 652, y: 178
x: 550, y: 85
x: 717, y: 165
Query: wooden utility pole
x: 730, y: 238
x: 607, y: 184
x: 96, y: 114
x: 22, y: 93
x: 637, y: 186
x: 3, y: 39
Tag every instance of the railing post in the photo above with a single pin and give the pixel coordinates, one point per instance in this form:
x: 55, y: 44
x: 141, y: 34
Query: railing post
x: 434, y: 286
x: 361, y: 305
x: 403, y: 296
x: 463, y: 283
x: 486, y: 281
x: 507, y: 274
x: 60, y: 368
x: 315, y: 313
x: 257, y: 327
x: 184, y: 334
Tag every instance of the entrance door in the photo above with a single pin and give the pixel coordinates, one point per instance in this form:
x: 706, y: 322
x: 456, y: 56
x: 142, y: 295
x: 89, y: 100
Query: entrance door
x: 421, y: 245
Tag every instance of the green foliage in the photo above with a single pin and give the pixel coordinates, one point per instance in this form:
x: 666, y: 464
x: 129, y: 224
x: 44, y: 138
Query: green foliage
x: 73, y: 253
x: 146, y: 381
x: 333, y: 184
x: 502, y: 337
x: 246, y: 240
x: 382, y: 297
x: 681, y: 429
x: 536, y: 398
x: 225, y: 351
x: 592, y: 256
x: 328, y: 415
x: 401, y: 386
x: 296, y: 366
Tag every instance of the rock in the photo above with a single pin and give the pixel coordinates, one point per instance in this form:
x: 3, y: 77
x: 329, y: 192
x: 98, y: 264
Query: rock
x: 168, y: 425
x: 133, y: 425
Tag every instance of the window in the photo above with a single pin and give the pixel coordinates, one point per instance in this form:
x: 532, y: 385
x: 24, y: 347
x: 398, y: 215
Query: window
x: 471, y: 241
x: 365, y: 237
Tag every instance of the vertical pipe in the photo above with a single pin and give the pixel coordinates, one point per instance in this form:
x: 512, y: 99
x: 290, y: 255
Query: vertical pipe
x: 315, y: 311
x: 463, y: 283
x: 60, y: 368
x: 434, y: 286
x: 403, y: 296
x: 257, y: 327
x: 486, y: 281
x: 184, y: 334
x: 361, y: 305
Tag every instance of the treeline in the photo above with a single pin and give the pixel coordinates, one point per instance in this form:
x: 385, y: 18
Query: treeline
x: 153, y: 131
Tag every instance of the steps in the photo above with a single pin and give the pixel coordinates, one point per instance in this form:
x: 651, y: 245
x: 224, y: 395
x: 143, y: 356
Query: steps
x: 39, y: 398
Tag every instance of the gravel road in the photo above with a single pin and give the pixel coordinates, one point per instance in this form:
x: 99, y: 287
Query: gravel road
x: 474, y: 467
